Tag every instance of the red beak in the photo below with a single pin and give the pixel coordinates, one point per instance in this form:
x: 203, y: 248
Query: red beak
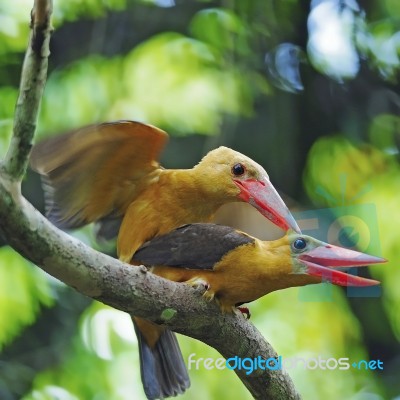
x: 320, y: 261
x: 263, y: 196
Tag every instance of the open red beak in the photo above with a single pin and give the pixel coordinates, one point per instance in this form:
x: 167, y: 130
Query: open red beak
x: 263, y: 196
x: 322, y: 260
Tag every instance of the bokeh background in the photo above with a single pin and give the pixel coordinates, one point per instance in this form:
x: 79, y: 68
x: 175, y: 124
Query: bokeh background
x: 309, y: 89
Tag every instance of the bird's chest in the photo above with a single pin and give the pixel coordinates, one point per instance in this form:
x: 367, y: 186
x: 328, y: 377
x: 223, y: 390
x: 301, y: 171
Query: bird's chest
x: 157, y: 211
x: 239, y: 287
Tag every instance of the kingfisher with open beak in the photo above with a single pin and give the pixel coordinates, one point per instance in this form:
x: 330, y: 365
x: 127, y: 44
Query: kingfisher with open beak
x: 234, y: 269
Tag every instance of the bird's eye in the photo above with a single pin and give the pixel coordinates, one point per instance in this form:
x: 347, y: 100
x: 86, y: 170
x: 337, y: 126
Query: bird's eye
x: 238, y: 169
x: 299, y: 244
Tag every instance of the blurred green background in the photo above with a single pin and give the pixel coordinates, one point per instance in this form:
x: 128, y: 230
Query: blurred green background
x: 309, y: 89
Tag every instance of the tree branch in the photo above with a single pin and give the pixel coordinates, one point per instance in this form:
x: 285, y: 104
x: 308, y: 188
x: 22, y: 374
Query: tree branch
x: 33, y: 78
x: 127, y: 288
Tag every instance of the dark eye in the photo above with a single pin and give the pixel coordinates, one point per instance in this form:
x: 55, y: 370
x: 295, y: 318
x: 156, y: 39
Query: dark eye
x: 300, y: 244
x: 238, y: 169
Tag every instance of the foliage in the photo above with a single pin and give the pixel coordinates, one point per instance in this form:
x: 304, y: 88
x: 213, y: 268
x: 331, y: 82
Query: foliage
x: 22, y: 288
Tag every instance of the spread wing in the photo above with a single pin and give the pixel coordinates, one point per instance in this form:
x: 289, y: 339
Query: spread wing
x: 95, y: 172
x: 193, y: 246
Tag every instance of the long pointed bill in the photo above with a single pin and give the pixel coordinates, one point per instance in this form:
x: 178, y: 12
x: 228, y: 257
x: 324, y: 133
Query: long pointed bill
x: 263, y: 196
x: 321, y: 260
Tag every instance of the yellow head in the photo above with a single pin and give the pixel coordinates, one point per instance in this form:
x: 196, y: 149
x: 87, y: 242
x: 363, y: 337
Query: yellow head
x: 226, y: 175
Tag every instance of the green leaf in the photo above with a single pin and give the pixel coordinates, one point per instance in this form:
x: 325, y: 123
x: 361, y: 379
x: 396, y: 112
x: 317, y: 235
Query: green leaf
x: 219, y: 27
x: 24, y: 289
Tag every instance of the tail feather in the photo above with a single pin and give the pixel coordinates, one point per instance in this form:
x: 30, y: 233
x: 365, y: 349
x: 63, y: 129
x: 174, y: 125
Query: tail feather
x: 162, y: 368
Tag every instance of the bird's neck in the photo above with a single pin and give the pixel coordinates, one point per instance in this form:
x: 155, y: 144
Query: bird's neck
x: 187, y: 192
x: 280, y: 270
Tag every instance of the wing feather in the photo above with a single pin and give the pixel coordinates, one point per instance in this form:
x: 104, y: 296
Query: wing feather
x: 97, y: 171
x: 193, y: 246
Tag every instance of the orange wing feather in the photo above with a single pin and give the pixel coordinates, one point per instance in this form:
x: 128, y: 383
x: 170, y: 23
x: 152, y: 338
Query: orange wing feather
x: 97, y: 171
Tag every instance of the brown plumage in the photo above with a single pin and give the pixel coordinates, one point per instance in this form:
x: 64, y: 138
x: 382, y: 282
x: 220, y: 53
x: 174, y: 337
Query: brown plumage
x: 109, y: 172
x: 237, y: 268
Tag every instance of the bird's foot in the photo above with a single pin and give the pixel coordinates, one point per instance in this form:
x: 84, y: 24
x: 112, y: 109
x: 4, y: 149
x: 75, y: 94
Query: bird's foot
x: 208, y: 295
x: 200, y: 285
x: 244, y: 311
